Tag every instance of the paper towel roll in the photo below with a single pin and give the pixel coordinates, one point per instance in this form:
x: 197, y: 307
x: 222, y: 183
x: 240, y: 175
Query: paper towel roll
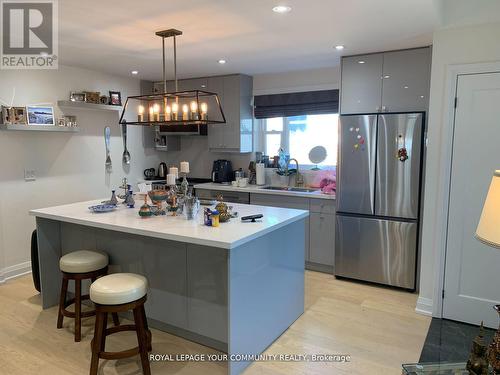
x: 260, y: 173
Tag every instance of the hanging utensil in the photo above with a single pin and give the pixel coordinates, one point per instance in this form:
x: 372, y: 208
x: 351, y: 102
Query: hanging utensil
x: 107, y: 137
x: 126, y: 154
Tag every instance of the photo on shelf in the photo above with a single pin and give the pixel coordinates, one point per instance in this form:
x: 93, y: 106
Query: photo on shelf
x: 115, y: 98
x: 40, y: 115
x: 78, y: 97
x: 7, y: 115
x: 19, y: 115
x: 92, y: 97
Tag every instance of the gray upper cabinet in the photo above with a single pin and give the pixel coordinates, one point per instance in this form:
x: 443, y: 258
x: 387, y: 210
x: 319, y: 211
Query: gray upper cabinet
x: 406, y: 79
x: 361, y: 88
x: 386, y: 82
x: 235, y: 93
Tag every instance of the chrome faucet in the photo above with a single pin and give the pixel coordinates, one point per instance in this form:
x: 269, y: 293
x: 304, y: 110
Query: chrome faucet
x: 299, y: 179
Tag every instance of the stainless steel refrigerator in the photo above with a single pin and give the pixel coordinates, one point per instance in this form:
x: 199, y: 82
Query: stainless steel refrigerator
x: 378, y: 197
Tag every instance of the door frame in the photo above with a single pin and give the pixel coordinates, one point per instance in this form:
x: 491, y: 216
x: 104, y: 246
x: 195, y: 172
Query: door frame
x: 444, y: 185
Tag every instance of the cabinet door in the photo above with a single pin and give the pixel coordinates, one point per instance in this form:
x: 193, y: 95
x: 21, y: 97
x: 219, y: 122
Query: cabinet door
x: 231, y: 106
x: 215, y: 131
x: 406, y: 79
x: 322, y: 238
x: 361, y: 84
x: 193, y: 84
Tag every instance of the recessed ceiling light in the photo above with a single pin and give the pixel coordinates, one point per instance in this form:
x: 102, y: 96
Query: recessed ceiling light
x: 361, y: 62
x: 340, y: 47
x: 281, y: 9
x: 405, y: 87
x: 134, y: 72
x: 203, y: 86
x: 387, y: 76
x: 222, y: 61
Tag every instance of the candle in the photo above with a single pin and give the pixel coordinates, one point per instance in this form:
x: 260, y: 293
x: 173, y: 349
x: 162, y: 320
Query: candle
x: 194, y: 110
x: 184, y: 167
x: 174, y: 171
x: 151, y: 114
x: 171, y: 179
x: 204, y: 109
x: 185, y: 110
x: 175, y: 110
x: 168, y: 113
x: 140, y: 116
x: 156, y: 111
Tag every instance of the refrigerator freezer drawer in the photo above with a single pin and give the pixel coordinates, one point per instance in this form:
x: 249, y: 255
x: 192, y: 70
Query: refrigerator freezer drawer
x: 376, y: 250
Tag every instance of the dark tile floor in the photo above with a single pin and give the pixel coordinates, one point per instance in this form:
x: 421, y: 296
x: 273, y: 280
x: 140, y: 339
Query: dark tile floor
x: 450, y: 341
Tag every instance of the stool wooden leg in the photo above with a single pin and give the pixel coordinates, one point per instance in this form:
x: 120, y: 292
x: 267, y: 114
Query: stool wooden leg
x: 149, y: 338
x: 99, y: 336
x: 62, y: 302
x: 78, y: 310
x: 142, y: 339
x: 105, y: 325
x: 116, y: 320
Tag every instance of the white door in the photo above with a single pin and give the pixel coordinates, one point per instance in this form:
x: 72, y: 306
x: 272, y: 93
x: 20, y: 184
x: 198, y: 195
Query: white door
x: 472, y: 277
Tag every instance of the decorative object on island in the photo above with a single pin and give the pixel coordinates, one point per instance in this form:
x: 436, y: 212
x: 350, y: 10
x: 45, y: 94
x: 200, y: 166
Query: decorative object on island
x: 145, y: 210
x: 194, y: 104
x: 478, y: 363
x: 158, y: 197
x: 40, y: 115
x: 223, y: 209
x: 125, y: 187
x: 115, y: 98
x: 93, y: 97
x: 77, y: 97
x: 191, y: 207
x: 113, y: 199
x: 488, y: 232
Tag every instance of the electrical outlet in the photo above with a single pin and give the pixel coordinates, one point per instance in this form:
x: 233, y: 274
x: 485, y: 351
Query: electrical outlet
x: 29, y: 175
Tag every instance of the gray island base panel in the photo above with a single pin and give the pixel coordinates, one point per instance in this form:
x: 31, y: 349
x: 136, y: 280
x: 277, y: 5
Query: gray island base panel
x: 236, y: 300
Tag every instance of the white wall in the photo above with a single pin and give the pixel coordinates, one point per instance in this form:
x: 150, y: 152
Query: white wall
x: 472, y: 44
x: 195, y: 149
x: 69, y: 166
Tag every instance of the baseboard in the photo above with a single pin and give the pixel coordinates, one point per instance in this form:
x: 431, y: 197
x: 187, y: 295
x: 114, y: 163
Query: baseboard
x: 14, y: 271
x: 424, y: 306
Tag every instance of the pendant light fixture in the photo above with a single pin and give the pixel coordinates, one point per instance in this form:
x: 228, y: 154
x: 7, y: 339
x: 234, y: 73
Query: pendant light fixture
x: 183, y: 112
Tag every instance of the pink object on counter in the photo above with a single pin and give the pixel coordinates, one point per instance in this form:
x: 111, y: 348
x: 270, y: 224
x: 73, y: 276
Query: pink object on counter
x: 326, y: 181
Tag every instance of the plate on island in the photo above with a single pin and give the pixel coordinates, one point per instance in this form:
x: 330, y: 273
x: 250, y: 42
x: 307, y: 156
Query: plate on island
x: 102, y: 208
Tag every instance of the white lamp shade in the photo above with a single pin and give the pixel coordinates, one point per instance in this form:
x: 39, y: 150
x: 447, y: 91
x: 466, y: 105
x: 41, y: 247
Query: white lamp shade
x: 488, y: 229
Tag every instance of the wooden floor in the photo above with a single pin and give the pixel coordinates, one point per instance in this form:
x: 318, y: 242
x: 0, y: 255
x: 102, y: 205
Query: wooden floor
x: 377, y: 327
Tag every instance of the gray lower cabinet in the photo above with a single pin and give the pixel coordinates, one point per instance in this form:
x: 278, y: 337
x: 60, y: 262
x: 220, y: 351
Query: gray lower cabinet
x: 229, y: 196
x: 320, y: 227
x: 322, y: 239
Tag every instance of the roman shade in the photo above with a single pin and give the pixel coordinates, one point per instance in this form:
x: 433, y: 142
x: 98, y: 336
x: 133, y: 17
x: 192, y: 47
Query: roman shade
x: 296, y: 104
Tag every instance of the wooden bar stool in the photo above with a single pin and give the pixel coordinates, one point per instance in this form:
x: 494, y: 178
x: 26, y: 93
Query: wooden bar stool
x: 120, y: 292
x: 78, y: 266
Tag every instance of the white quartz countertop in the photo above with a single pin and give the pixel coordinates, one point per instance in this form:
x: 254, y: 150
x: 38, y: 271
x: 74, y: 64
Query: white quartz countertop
x: 228, y: 235
x: 260, y: 190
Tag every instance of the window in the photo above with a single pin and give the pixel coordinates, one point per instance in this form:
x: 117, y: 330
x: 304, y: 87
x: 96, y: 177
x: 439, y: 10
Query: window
x: 297, y: 135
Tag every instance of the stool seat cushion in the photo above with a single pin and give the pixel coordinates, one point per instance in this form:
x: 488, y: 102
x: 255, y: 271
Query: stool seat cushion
x: 83, y: 261
x: 118, y: 288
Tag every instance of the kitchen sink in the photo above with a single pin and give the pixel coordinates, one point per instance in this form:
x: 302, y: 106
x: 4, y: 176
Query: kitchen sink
x: 297, y: 189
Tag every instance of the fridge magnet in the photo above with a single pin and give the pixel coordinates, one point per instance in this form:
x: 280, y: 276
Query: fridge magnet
x: 402, y: 154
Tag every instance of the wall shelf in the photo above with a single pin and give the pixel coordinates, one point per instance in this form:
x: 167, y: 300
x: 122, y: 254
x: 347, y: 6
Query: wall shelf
x: 42, y: 128
x: 88, y: 106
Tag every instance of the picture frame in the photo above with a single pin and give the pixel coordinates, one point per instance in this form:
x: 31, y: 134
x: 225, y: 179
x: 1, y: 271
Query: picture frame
x: 92, y: 97
x: 19, y: 115
x: 78, y: 97
x: 40, y: 115
x: 7, y: 115
x: 115, y: 98
x: 104, y: 99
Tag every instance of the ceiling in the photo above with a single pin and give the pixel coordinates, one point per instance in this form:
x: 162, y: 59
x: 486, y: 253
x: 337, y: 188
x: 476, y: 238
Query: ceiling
x: 118, y: 36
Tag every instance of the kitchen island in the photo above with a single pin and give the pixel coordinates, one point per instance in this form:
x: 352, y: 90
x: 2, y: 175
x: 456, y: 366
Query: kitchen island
x: 235, y: 288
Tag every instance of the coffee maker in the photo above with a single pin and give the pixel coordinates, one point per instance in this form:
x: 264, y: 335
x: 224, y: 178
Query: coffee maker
x: 222, y: 172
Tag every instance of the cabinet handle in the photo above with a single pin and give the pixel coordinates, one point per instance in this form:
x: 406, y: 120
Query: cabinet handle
x: 384, y: 108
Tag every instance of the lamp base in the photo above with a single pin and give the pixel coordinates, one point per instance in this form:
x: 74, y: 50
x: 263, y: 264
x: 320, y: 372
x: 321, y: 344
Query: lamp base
x: 494, y: 348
